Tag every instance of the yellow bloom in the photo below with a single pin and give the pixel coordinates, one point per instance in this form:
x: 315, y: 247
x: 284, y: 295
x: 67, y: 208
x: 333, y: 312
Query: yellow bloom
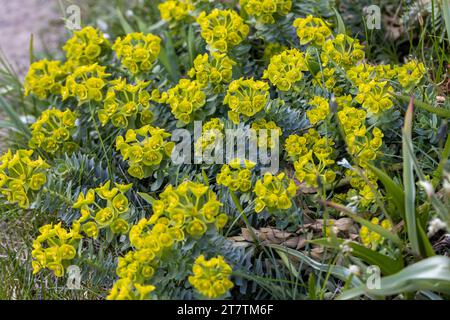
x: 21, y: 177
x: 274, y: 192
x: 410, y: 74
x: 211, y: 277
x: 342, y: 50
x: 137, y: 51
x: 214, y: 69
x: 312, y: 30
x: 266, y: 11
x: 375, y: 96
x: 185, y: 99
x: 285, y: 69
x: 85, y: 47
x: 175, y: 10
x: 222, y: 29
x: 103, y: 207
x: 199, y: 209
x: 236, y: 178
x: 212, y: 130
x: 371, y: 239
x: 313, y: 157
x: 246, y: 97
x: 44, y: 78
x: 53, y: 131
x: 124, y: 102
x: 54, y: 247
x: 85, y: 83
x: 320, y: 112
x: 145, y: 149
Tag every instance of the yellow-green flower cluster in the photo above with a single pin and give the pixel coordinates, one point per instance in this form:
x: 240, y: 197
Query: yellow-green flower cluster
x: 266, y: 140
x: 127, y: 289
x: 246, y: 97
x: 55, y: 247
x: 296, y: 146
x: 375, y: 96
x: 85, y: 47
x: 211, y: 277
x: 274, y: 192
x: 21, y: 177
x: 211, y: 131
x: 326, y: 78
x: 137, y: 51
x: 373, y: 82
x: 273, y: 48
x: 53, y: 131
x: 191, y: 206
x: 186, y: 209
x: 145, y: 149
x: 235, y: 176
x: 184, y: 99
x: 315, y: 164
x: 365, y: 73
x: 103, y: 207
x: 222, y: 29
x: 371, y: 239
x: 352, y: 121
x: 366, y: 148
x: 214, y: 69
x: 313, y: 157
x: 85, y: 83
x: 175, y: 10
x: 359, y: 142
x: 410, y: 74
x: 321, y: 110
x: 152, y: 236
x: 361, y: 189
x: 312, y: 30
x: 44, y: 77
x: 285, y: 69
x: 265, y: 10
x: 150, y: 241
x: 343, y: 50
x: 125, y: 101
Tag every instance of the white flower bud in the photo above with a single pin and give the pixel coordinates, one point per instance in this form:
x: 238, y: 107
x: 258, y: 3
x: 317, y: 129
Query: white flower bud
x: 435, y: 225
x: 354, y: 269
x: 428, y: 187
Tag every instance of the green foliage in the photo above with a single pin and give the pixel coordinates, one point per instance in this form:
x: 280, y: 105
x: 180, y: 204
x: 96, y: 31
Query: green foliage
x: 351, y: 160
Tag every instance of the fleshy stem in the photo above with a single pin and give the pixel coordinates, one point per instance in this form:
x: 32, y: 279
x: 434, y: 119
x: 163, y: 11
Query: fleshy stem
x: 244, y: 217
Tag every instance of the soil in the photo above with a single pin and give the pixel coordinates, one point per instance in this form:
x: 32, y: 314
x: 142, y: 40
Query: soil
x: 19, y: 20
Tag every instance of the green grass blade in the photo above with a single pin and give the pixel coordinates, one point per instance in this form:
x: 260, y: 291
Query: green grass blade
x: 169, y: 59
x: 146, y: 197
x: 394, y: 191
x: 387, y: 264
x: 408, y: 181
x: 430, y: 274
x: 446, y: 15
x: 441, y: 112
x: 372, y: 227
x: 191, y: 45
x: 14, y: 117
x: 340, y: 22
x: 444, y: 157
x: 312, y: 286
x: 337, y: 271
x: 123, y: 22
x: 426, y: 247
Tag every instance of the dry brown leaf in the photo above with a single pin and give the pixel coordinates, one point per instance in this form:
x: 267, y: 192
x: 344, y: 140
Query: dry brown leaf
x: 272, y: 236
